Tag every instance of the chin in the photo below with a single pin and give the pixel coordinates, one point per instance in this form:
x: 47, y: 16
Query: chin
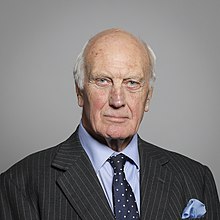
x: 118, y: 134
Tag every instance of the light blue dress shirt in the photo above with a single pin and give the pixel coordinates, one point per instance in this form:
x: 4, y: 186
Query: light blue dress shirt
x: 98, y: 155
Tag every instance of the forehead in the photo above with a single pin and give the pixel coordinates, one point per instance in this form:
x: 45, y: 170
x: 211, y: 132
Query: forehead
x: 114, y: 49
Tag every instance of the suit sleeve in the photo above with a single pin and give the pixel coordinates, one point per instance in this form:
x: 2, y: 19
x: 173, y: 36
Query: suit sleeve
x: 211, y: 197
x: 14, y: 204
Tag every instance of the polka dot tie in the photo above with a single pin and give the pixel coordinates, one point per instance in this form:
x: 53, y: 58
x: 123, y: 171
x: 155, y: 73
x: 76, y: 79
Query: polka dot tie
x: 124, y: 203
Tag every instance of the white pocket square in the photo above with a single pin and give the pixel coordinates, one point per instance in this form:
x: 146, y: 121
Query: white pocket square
x: 194, y: 209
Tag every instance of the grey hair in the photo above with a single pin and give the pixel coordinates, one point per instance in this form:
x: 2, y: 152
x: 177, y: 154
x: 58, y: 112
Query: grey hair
x: 79, y: 67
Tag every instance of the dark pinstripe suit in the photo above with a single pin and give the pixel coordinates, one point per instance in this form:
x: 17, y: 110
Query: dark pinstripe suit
x: 60, y: 183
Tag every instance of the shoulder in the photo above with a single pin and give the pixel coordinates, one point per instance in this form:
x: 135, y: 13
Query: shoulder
x: 34, y: 167
x: 179, y: 164
x: 28, y: 169
x: 190, y: 178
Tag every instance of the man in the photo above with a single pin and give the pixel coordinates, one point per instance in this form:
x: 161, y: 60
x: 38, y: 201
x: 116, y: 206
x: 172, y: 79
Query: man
x: 80, y: 178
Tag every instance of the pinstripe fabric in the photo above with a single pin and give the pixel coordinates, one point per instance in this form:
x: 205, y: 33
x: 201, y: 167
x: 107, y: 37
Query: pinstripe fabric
x: 54, y: 184
x: 60, y: 184
x: 169, y: 180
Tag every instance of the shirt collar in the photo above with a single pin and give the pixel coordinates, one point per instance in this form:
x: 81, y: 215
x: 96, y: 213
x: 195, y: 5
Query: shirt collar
x: 98, y: 153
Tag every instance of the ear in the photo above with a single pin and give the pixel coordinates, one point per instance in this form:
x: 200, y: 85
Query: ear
x: 80, y: 98
x: 149, y: 96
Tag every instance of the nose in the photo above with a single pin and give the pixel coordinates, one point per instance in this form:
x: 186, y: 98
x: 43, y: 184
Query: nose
x: 117, y: 97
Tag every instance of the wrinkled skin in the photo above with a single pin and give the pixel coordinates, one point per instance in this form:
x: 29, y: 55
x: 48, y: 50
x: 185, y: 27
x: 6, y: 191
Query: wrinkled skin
x: 116, y: 88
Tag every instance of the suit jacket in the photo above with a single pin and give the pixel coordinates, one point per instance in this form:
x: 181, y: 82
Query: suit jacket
x: 60, y: 184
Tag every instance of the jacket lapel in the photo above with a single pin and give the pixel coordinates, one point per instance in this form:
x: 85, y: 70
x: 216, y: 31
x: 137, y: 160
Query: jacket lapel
x: 81, y: 186
x: 156, y: 181
x: 79, y: 182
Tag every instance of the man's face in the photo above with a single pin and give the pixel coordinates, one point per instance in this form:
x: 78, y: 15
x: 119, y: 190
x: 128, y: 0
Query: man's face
x: 116, y: 91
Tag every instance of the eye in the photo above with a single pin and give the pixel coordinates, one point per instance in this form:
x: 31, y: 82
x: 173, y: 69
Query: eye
x: 102, y: 82
x: 133, y: 84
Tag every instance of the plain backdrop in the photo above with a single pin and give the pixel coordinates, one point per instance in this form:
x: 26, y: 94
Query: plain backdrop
x: 39, y: 41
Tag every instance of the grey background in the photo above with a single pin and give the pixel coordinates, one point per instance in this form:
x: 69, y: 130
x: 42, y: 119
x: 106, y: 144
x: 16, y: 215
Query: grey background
x: 39, y: 41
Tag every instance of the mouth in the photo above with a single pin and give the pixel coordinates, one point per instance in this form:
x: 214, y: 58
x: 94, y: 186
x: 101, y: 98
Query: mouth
x: 116, y: 119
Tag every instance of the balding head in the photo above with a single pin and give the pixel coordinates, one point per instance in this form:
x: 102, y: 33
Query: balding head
x: 113, y: 75
x: 106, y: 42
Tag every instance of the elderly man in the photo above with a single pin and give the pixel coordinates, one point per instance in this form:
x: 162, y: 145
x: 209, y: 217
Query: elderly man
x: 105, y: 170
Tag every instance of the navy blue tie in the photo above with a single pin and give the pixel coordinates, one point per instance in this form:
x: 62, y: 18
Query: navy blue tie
x: 125, y: 206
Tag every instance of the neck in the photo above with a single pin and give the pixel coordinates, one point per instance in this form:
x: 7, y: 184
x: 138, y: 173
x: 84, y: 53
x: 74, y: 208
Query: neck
x: 118, y: 144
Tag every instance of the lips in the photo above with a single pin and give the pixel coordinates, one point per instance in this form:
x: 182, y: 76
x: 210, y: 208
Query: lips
x: 116, y: 118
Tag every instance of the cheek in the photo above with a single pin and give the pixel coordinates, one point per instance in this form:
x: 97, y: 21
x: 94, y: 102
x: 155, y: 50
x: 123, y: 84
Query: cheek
x: 138, y: 112
x: 97, y: 101
x: 137, y: 107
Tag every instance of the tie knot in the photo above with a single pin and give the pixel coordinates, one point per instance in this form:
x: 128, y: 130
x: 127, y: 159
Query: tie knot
x: 118, y: 162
